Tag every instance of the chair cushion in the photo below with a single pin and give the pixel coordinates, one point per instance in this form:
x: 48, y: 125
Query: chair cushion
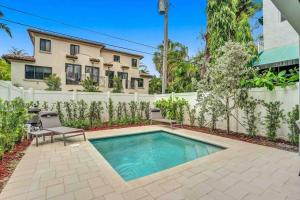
x: 41, y: 132
x: 164, y: 120
x: 64, y: 130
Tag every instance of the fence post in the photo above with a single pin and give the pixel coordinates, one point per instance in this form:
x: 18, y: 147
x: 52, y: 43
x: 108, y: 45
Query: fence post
x: 172, y: 95
x: 30, y: 95
x: 9, y: 91
x: 136, y: 96
x: 74, y: 95
x: 108, y: 96
x: 22, y: 93
x: 237, y: 120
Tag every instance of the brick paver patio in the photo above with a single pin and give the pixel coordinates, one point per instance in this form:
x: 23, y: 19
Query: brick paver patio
x: 243, y: 171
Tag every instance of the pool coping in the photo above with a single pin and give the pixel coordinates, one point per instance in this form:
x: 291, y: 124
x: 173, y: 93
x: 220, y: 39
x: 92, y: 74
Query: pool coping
x: 118, y: 180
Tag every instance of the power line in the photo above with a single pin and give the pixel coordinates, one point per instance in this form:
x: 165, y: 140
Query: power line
x: 74, y: 26
x: 66, y: 35
x: 107, y: 44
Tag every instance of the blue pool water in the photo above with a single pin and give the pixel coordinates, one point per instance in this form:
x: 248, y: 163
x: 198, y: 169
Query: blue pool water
x: 135, y: 156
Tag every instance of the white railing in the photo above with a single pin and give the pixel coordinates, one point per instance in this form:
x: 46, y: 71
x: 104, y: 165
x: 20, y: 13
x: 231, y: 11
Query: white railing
x: 288, y: 96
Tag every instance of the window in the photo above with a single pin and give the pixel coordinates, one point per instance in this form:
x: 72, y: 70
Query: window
x: 282, y: 18
x: 93, y: 72
x: 74, y: 49
x: 124, y: 75
x: 117, y: 58
x: 134, y: 62
x: 37, y: 72
x: 73, y: 74
x: 110, y: 75
x: 45, y: 45
x: 140, y: 82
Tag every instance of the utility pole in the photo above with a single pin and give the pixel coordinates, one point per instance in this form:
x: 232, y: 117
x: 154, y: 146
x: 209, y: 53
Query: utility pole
x: 164, y: 10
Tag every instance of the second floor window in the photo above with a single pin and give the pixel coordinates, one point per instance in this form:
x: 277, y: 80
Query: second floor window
x: 45, y: 45
x: 93, y: 73
x: 73, y: 74
x: 37, y: 72
x: 74, y: 49
x: 134, y: 62
x: 117, y: 58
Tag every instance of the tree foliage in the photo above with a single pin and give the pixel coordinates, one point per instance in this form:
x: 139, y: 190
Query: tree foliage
x: 229, y: 20
x: 222, y: 82
x: 172, y: 108
x: 292, y: 117
x: 4, y: 70
x: 180, y: 69
x: 176, y: 52
x: 273, y: 118
x: 4, y: 27
x: 17, y: 52
x: 155, y: 85
x: 13, y: 116
x: 53, y: 82
x: 270, y: 79
x: 117, y: 85
x: 89, y: 85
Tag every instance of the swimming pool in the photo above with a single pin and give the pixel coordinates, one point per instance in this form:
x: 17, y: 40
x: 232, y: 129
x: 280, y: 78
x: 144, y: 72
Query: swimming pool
x: 138, y: 155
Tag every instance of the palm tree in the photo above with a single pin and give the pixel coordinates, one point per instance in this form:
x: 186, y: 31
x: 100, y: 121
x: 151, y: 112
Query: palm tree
x: 177, y: 53
x: 4, y: 27
x: 245, y: 9
x: 17, y: 52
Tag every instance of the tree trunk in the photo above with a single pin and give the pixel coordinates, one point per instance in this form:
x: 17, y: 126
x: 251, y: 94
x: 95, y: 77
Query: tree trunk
x: 227, y: 115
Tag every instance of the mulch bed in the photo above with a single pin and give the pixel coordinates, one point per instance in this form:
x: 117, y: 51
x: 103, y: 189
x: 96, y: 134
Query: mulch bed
x: 260, y: 140
x: 10, y: 160
x: 105, y: 126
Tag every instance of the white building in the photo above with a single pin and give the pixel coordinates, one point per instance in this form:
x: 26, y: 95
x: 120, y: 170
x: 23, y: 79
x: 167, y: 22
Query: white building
x: 73, y: 59
x: 281, y: 41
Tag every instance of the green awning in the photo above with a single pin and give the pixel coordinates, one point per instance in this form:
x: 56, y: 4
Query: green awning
x: 278, y: 57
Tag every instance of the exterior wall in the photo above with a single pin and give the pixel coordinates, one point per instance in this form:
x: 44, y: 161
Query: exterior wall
x: 56, y: 59
x: 18, y: 77
x: 125, y: 60
x: 276, y: 33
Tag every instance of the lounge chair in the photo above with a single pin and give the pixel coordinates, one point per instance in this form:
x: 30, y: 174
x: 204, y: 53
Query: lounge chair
x: 40, y: 133
x: 50, y: 122
x: 157, y: 116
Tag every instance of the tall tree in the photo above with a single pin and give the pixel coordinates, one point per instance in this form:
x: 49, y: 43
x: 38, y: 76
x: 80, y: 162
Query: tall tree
x: 4, y: 27
x: 228, y: 21
x: 17, y: 52
x: 177, y: 52
x: 4, y: 70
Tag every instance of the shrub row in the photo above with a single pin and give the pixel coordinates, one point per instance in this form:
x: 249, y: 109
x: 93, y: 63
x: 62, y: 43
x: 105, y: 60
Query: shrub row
x: 13, y: 117
x: 80, y: 114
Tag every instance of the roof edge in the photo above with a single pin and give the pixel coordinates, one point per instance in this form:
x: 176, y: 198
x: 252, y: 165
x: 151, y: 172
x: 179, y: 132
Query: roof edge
x: 124, y: 52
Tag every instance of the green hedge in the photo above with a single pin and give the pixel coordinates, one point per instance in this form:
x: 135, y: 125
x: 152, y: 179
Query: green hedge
x: 13, y: 117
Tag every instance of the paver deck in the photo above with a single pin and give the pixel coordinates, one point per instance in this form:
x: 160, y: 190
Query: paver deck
x: 242, y: 171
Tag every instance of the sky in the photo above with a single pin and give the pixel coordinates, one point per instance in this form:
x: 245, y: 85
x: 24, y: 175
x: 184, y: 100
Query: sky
x: 136, y: 20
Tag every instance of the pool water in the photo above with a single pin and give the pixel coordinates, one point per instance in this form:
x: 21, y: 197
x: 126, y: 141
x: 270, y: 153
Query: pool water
x: 135, y: 156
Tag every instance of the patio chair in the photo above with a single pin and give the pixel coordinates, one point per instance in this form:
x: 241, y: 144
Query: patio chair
x: 157, y: 116
x: 50, y: 122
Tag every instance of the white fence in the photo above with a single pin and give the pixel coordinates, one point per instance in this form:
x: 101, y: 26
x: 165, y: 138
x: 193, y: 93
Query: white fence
x: 288, y: 96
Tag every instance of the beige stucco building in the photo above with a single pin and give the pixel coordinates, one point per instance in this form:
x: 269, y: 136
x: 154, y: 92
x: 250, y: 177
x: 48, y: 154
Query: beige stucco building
x: 73, y: 59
